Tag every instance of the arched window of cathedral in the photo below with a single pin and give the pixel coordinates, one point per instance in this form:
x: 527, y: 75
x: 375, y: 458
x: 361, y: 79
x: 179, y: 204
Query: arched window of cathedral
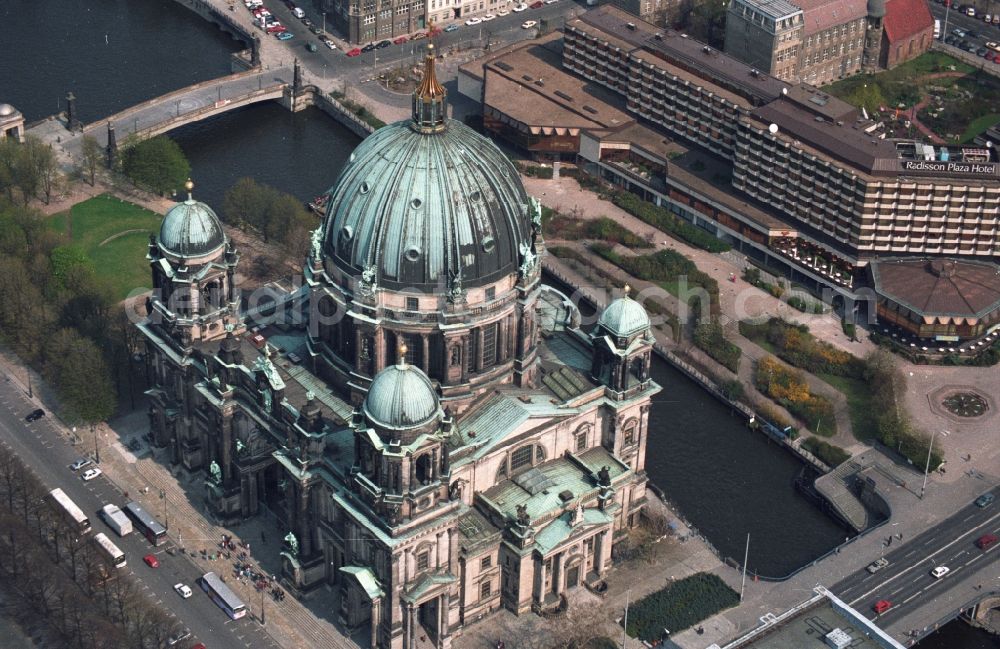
x: 629, y: 432
x: 490, y: 333
x: 501, y: 472
x: 581, y: 437
x: 456, y: 355
x: 423, y: 468
x: 212, y: 295
x: 638, y: 368
x: 521, y: 458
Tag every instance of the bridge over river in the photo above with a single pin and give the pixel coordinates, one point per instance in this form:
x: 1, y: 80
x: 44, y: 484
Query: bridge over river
x: 174, y: 109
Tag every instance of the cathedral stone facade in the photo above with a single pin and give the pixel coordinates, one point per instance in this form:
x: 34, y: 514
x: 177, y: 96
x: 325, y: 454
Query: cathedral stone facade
x: 440, y: 439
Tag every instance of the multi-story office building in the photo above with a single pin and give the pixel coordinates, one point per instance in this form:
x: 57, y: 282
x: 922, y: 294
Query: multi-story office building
x: 766, y: 34
x: 819, y: 41
x: 364, y: 21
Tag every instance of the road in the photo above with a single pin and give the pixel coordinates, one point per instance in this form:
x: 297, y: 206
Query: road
x: 49, y: 455
x: 907, y: 582
x: 983, y: 32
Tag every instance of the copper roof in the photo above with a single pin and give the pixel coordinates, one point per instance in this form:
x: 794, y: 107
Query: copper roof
x: 940, y: 287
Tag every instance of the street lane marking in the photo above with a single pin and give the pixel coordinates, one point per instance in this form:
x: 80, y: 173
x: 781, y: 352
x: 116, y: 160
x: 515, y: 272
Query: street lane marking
x: 928, y: 557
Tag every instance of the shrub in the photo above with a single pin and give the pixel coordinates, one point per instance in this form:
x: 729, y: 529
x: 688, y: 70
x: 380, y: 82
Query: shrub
x: 679, y: 606
x: 796, y: 346
x: 831, y: 454
x: 709, y: 338
x: 561, y: 226
x: 732, y: 390
x: 789, y: 388
x: 664, y: 220
x: 850, y: 329
x: 805, y: 306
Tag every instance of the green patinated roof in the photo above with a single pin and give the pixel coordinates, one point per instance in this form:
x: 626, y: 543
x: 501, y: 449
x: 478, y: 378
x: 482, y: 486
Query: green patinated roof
x: 558, y: 531
x: 624, y: 317
x: 475, y: 529
x: 366, y: 579
x: 502, y: 413
x: 426, y: 583
x: 539, y: 488
x: 598, y: 456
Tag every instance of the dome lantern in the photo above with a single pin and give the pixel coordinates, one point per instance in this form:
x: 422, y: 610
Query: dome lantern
x: 429, y: 99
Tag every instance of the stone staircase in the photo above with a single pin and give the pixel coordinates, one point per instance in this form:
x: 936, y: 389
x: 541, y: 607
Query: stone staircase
x: 834, y: 487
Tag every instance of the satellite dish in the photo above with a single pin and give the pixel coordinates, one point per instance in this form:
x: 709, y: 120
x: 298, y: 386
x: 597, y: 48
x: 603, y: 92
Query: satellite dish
x: 784, y: 91
x: 773, y: 128
x: 989, y: 144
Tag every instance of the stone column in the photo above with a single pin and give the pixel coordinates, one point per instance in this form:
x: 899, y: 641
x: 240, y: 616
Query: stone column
x: 451, y: 547
x: 502, y: 341
x: 357, y: 349
x: 438, y: 550
x: 479, y: 349
x: 374, y: 622
x: 425, y: 358
x: 305, y: 534
x: 410, y: 627
x: 434, y: 465
x: 540, y: 582
x: 465, y: 359
x: 379, y: 350
x: 559, y: 573
x: 406, y: 565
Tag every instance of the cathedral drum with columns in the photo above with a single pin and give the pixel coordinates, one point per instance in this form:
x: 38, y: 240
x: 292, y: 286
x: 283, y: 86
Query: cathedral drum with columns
x: 441, y: 439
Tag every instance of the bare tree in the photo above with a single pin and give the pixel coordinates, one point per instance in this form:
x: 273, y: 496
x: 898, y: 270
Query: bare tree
x: 92, y: 156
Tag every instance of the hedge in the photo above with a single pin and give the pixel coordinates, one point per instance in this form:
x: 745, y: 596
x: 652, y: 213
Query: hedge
x: 679, y: 606
x: 709, y: 338
x: 668, y: 222
x: 831, y: 454
x: 561, y: 226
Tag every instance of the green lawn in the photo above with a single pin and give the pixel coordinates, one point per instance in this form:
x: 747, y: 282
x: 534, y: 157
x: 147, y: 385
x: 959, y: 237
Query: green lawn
x: 122, y: 260
x: 859, y: 403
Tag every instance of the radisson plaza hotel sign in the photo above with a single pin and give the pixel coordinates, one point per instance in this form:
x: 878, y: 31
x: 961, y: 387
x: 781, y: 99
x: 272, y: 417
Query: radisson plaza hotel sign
x: 949, y: 167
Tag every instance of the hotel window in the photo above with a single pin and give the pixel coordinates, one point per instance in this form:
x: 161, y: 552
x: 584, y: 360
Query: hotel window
x: 423, y: 560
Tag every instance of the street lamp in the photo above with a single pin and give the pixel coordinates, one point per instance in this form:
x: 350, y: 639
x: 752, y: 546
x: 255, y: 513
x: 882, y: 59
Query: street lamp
x: 262, y: 620
x: 927, y: 466
x: 97, y: 449
x: 166, y: 518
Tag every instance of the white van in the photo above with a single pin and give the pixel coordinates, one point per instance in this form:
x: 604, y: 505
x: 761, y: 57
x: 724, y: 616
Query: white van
x: 298, y: 13
x: 971, y: 11
x: 937, y: 28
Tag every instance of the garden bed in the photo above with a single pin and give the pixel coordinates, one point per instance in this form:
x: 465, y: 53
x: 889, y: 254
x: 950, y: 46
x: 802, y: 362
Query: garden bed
x: 679, y: 606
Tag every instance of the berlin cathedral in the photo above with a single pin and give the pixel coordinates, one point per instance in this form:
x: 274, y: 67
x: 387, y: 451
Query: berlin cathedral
x: 437, y: 435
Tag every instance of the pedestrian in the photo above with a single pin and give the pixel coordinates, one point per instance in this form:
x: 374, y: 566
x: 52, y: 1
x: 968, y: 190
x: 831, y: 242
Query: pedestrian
x: 899, y: 536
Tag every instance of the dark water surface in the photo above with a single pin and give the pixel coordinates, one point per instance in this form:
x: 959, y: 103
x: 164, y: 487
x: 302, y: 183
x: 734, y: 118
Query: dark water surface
x: 50, y: 47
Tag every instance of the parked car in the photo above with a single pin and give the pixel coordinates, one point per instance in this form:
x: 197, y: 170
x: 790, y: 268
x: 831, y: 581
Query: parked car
x: 993, y: 46
x: 275, y: 28
x: 958, y: 31
x: 79, y: 464
x: 877, y: 565
x: 503, y: 12
x: 183, y: 590
x: 519, y: 8
x: 488, y: 17
x: 985, y: 500
x: 355, y: 52
x: 882, y: 606
x: 400, y: 40
x: 536, y: 5
x: 35, y: 415
x: 311, y: 47
x: 451, y: 28
x: 991, y: 56
x: 473, y: 21
x: 332, y: 46
x: 90, y: 474
x: 985, y: 541
x: 177, y: 636
x: 418, y: 36
x: 284, y: 36
x: 383, y: 44
x: 528, y: 24
x: 368, y: 48
x: 940, y: 571
x: 151, y: 561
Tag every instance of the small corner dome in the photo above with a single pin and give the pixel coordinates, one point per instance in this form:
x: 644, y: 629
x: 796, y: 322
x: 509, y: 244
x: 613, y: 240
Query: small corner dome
x: 624, y: 317
x: 7, y: 109
x: 191, y: 229
x: 401, y: 397
x: 876, y: 8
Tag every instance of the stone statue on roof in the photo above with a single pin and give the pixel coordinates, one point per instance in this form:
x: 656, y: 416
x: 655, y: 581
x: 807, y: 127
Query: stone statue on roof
x: 316, y: 241
x: 215, y: 472
x: 292, y: 543
x: 604, y: 476
x: 528, y: 260
x: 523, y: 518
x: 368, y: 282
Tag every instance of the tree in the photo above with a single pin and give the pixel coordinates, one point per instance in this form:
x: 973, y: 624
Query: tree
x: 157, y: 164
x: 75, y: 367
x: 92, y: 156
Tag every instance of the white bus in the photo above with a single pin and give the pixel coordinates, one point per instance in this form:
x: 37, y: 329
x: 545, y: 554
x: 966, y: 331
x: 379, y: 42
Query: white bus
x: 111, y: 551
x: 222, y: 596
x: 74, y: 515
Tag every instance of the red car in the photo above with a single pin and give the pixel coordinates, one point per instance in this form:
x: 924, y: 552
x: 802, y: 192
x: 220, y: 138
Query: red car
x: 355, y: 52
x: 536, y: 5
x: 985, y: 541
x: 882, y: 606
x: 151, y: 561
x: 275, y: 28
x: 400, y: 40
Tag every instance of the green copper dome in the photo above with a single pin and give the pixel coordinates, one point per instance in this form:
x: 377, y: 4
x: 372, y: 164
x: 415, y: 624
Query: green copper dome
x: 428, y: 200
x: 624, y: 317
x: 401, y: 397
x: 191, y: 229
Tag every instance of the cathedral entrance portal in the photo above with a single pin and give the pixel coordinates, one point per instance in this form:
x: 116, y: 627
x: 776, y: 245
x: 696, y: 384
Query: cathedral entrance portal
x: 573, y: 576
x: 428, y: 618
